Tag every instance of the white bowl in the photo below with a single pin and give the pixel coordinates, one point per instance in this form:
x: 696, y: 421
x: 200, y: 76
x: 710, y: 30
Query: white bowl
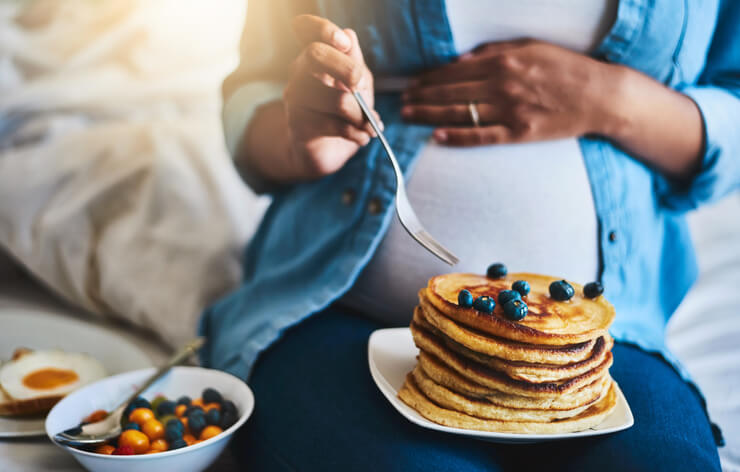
x: 107, y: 393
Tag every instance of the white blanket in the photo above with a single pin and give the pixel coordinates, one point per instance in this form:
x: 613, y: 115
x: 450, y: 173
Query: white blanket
x: 116, y: 189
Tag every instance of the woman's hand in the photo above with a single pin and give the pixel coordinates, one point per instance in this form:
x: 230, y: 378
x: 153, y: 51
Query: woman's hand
x: 524, y: 90
x: 530, y: 90
x: 325, y: 125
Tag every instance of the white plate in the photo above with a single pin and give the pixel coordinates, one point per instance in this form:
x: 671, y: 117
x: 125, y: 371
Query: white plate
x: 43, y: 330
x: 392, y: 354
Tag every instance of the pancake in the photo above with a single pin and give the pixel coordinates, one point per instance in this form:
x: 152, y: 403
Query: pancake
x: 497, y: 380
x: 447, y: 377
x: 497, y: 347
x: 412, y: 396
x: 483, y: 409
x: 548, y: 322
x: 531, y: 372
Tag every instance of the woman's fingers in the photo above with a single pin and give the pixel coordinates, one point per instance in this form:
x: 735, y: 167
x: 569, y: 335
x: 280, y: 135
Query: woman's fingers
x: 457, y: 114
x: 496, y: 134
x: 314, y: 95
x: 459, y: 92
x: 311, y: 28
x: 319, y: 59
x: 308, y: 124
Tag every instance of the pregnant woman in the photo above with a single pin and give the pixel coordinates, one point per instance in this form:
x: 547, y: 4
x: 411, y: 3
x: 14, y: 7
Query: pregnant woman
x: 573, y: 153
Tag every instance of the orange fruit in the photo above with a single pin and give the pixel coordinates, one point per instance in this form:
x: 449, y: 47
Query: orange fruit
x: 141, y: 415
x: 180, y: 410
x: 189, y: 439
x: 106, y: 449
x: 184, y: 421
x: 210, y: 406
x: 209, y: 432
x: 138, y: 441
x: 197, y: 402
x: 158, y: 445
x: 153, y: 428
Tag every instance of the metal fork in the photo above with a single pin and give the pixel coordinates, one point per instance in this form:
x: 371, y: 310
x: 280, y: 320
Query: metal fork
x: 405, y: 213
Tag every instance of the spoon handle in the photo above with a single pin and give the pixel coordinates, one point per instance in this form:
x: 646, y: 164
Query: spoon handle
x: 188, y: 350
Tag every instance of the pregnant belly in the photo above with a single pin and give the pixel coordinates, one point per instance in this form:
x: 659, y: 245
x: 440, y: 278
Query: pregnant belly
x: 527, y: 205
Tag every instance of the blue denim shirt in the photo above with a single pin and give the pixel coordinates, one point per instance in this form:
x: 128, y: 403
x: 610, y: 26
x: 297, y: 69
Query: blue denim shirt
x: 312, y: 245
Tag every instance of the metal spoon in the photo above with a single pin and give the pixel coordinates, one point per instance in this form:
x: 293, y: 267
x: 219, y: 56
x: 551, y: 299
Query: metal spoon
x: 110, y: 426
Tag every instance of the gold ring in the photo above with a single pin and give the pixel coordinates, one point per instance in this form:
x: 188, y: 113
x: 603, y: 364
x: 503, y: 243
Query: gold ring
x: 474, y: 115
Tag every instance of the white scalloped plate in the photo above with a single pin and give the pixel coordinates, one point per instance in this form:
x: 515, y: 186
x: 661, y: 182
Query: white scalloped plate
x: 392, y: 354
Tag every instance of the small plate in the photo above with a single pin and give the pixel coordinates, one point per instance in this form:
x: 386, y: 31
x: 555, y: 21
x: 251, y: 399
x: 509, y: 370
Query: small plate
x: 36, y: 329
x: 392, y: 354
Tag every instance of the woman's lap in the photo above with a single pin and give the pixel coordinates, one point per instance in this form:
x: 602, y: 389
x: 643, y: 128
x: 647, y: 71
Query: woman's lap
x: 318, y: 409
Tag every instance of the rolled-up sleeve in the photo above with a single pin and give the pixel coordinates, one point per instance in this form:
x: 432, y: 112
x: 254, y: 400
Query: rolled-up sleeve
x: 717, y: 94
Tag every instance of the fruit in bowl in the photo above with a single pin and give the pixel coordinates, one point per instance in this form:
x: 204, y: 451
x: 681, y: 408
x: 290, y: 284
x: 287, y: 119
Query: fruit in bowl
x: 182, y: 423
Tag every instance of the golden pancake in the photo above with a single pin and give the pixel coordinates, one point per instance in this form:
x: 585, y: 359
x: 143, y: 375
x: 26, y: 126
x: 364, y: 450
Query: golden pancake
x: 412, y: 396
x: 502, y: 348
x: 529, y: 371
x: 497, y: 380
x: 447, y: 377
x: 483, y: 409
x: 549, y: 321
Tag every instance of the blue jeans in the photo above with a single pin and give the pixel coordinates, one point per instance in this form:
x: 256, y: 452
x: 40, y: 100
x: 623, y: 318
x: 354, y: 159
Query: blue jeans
x: 318, y: 409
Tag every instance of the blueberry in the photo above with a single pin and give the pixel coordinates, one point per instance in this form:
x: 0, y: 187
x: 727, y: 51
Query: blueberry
x: 228, y: 406
x: 521, y: 286
x: 484, y: 304
x: 515, y: 309
x: 184, y: 400
x: 177, y: 444
x: 175, y: 424
x: 166, y: 407
x: 508, y: 295
x: 172, y: 434
x: 213, y: 416
x: 228, y: 418
x: 132, y: 425
x: 196, y: 423
x: 465, y: 298
x: 211, y: 396
x: 561, y: 290
x: 593, y: 289
x: 496, y: 271
x: 139, y: 402
x: 191, y: 409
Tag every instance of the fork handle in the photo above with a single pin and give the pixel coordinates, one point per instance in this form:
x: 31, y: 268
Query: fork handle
x: 376, y: 127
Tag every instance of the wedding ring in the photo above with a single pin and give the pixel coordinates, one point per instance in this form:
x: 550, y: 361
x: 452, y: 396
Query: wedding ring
x: 474, y: 115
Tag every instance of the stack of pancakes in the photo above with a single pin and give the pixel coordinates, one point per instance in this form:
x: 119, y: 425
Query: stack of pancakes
x: 548, y: 373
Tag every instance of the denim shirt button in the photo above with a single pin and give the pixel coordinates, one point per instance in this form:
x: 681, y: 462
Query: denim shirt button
x: 613, y: 236
x: 374, y: 206
x: 348, y: 196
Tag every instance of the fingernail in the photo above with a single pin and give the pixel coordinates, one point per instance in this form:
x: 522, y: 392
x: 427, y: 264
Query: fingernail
x: 406, y: 112
x: 341, y: 40
x: 465, y: 56
x: 440, y: 135
x: 366, y: 140
x: 382, y: 125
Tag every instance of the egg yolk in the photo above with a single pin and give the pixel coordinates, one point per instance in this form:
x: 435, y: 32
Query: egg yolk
x: 45, y: 379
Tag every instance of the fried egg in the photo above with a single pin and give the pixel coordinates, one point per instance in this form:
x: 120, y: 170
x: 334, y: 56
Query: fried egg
x: 48, y: 373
